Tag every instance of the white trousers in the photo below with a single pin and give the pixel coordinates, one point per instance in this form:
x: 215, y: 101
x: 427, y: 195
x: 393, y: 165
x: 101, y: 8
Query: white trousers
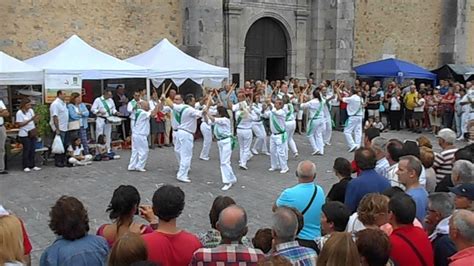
x: 327, y: 130
x: 290, y: 128
x: 316, y: 136
x: 225, y: 152
x: 186, y: 142
x: 103, y: 128
x: 139, y: 152
x: 74, y: 161
x: 207, y: 140
x: 245, y: 141
x: 278, y: 152
x: 260, y: 143
x: 176, y: 146
x: 354, y: 126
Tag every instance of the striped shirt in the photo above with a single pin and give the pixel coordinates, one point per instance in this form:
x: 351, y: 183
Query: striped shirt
x: 443, y: 163
x: 296, y: 254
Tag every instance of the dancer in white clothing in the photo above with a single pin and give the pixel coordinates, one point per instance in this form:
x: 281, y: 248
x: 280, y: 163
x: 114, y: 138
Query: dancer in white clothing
x: 290, y: 124
x: 225, y: 140
x: 258, y: 128
x: 327, y: 115
x: 243, y: 123
x: 185, y: 116
x: 141, y: 129
x: 278, y: 139
x: 354, y: 122
x: 206, y: 129
x: 316, y: 123
x: 177, y: 102
x: 104, y: 107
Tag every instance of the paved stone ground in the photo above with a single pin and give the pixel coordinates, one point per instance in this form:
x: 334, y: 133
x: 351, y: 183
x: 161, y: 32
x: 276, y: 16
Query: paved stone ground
x: 31, y: 195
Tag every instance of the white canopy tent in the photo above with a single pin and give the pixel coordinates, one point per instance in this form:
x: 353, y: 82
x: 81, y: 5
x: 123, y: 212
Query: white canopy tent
x: 166, y: 61
x: 76, y: 56
x: 15, y: 72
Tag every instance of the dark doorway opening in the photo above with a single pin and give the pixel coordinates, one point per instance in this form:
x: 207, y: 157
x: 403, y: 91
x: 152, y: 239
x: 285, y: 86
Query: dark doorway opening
x: 266, y: 51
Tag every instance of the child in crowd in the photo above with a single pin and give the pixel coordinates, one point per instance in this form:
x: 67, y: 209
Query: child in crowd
x: 75, y: 152
x: 102, y: 153
x: 369, y: 123
x: 418, y: 112
x: 379, y: 125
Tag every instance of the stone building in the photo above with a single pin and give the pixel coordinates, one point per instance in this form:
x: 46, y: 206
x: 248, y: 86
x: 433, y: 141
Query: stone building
x: 256, y: 39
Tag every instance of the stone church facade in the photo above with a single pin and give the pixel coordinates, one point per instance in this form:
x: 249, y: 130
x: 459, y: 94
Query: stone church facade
x: 256, y: 39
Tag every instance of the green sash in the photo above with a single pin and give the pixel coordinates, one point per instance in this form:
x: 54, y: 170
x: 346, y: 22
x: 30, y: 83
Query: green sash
x: 220, y: 136
x: 177, y: 115
x: 134, y: 104
x: 290, y: 112
x: 311, y: 122
x: 106, y: 106
x: 239, y: 118
x: 279, y: 129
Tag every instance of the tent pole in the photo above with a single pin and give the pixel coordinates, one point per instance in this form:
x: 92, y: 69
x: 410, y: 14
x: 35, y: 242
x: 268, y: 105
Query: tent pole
x: 148, y: 93
x: 101, y: 87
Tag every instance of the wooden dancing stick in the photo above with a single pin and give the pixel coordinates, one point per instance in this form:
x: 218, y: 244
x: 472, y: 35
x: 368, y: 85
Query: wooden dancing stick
x: 168, y: 88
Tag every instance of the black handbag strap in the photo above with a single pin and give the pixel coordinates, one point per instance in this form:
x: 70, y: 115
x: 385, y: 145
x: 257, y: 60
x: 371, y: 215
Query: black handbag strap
x: 404, y: 238
x: 310, y: 201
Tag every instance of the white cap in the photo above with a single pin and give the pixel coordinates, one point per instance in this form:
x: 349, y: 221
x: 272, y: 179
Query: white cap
x: 447, y: 134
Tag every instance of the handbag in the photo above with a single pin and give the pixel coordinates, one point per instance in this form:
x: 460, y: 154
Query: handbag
x: 74, y: 125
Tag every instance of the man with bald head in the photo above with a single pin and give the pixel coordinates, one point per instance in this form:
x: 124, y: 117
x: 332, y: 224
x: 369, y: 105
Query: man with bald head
x: 460, y: 231
x: 285, y: 225
x: 308, y: 198
x: 232, y: 225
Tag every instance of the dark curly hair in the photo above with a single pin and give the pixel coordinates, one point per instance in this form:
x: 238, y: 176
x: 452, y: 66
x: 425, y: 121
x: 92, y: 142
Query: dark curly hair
x: 168, y: 202
x: 69, y: 218
x: 124, y: 199
x: 220, y: 203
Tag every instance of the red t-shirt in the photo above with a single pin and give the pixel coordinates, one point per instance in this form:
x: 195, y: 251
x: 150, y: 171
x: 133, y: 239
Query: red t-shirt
x: 403, y: 254
x: 171, y: 249
x: 355, y: 168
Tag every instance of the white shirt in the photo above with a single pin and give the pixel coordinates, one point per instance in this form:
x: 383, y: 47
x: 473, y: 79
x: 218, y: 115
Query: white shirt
x: 188, y: 118
x: 141, y: 126
x: 314, y: 106
x: 354, y: 225
x: 421, y: 103
x: 244, y: 122
x: 98, y: 106
x: 334, y: 101
x: 2, y: 107
x: 22, y: 117
x: 59, y: 109
x: 280, y: 116
x: 77, y: 151
x: 257, y: 113
x: 394, y: 104
x: 354, y: 105
x: 222, y: 124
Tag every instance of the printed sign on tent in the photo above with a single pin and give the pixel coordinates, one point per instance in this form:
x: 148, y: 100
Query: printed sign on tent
x: 68, y: 82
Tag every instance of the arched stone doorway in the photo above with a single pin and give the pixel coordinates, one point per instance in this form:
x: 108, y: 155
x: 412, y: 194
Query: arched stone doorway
x: 266, y: 51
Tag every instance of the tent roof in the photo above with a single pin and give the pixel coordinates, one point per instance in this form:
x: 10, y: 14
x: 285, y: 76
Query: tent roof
x: 392, y: 67
x: 76, y: 56
x: 166, y: 61
x: 15, y: 72
x: 455, y: 71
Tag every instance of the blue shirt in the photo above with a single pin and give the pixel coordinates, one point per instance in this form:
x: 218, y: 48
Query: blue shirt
x: 443, y: 90
x: 299, y: 197
x: 74, y: 116
x: 420, y: 196
x: 297, y: 255
x: 90, y: 250
x: 368, y: 181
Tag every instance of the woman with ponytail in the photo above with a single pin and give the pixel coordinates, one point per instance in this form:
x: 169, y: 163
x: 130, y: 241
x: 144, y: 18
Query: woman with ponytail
x: 123, y: 206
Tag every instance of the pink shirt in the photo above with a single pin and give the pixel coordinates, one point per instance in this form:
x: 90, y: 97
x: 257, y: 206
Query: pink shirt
x: 464, y: 257
x: 388, y: 229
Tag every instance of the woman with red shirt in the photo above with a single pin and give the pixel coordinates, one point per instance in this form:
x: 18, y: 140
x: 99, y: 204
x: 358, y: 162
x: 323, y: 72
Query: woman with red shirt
x: 447, y: 105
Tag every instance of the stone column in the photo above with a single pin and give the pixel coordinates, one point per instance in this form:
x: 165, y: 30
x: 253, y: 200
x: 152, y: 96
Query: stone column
x: 235, y: 53
x: 300, y: 46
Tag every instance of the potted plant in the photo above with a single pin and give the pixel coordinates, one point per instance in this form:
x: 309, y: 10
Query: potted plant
x: 44, y: 129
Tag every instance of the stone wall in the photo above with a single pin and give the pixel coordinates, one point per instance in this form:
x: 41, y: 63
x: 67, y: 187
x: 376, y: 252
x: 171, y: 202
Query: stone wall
x: 470, y: 32
x: 122, y: 28
x: 409, y: 29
